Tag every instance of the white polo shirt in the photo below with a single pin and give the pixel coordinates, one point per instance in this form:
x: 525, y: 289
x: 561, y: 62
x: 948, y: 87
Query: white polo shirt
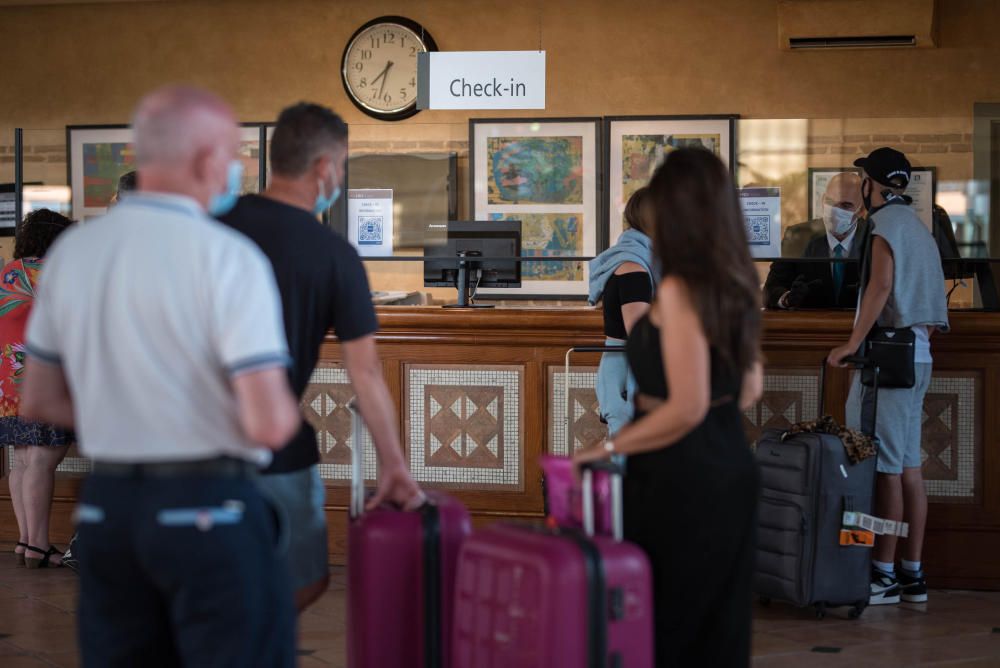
x: 151, y: 310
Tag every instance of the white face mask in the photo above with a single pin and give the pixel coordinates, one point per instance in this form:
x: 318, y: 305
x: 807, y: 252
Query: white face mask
x: 837, y: 221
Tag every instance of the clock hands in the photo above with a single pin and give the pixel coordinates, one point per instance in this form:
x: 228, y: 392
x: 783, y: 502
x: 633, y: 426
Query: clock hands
x: 383, y: 77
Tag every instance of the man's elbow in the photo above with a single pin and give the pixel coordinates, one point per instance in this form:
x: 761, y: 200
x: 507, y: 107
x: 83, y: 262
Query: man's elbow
x: 276, y: 430
x: 881, y: 286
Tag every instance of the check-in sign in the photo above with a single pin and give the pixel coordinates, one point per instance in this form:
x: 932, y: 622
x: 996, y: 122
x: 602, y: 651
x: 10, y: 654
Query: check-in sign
x: 481, y: 80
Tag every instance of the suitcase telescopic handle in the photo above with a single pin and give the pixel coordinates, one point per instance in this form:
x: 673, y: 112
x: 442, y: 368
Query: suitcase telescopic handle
x: 617, y: 522
x: 357, y: 504
x: 859, y: 362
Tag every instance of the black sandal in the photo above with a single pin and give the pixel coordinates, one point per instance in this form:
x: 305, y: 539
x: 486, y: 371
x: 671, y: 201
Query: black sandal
x: 19, y: 556
x: 45, y: 561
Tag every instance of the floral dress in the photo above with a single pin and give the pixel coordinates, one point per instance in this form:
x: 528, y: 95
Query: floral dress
x: 17, y: 294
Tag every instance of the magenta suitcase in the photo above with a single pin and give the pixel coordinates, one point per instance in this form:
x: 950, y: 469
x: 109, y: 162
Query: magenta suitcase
x: 400, y: 577
x: 533, y: 597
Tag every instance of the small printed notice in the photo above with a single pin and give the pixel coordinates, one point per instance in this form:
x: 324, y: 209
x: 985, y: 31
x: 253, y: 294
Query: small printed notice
x: 762, y: 214
x: 369, y: 221
x: 921, y: 189
x: 8, y: 209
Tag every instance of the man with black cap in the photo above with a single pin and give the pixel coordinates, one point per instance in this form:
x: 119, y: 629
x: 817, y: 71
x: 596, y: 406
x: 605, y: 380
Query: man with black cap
x: 902, y: 291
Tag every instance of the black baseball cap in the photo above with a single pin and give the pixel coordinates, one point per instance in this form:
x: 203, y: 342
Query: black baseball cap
x: 886, y: 166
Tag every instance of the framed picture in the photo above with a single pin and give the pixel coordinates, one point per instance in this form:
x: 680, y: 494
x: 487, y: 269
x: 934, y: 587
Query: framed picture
x: 99, y: 154
x: 545, y: 173
x: 636, y: 145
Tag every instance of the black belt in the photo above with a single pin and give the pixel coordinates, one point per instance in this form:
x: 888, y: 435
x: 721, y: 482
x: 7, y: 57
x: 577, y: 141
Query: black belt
x: 222, y: 467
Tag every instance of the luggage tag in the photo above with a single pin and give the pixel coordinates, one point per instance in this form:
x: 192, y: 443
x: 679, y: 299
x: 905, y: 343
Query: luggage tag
x: 858, y: 537
x: 876, y: 525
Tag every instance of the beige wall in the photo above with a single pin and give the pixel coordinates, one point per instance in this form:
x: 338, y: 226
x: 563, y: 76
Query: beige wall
x: 88, y: 63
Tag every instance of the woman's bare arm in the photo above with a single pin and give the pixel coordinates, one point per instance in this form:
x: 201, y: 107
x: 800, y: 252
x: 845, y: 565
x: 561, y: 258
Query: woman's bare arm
x: 753, y: 386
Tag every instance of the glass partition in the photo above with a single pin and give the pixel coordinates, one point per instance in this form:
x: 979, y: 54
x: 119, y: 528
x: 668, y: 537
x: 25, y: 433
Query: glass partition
x: 428, y: 171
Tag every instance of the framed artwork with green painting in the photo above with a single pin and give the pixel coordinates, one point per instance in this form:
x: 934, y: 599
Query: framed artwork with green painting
x: 636, y: 145
x: 98, y: 155
x: 545, y: 173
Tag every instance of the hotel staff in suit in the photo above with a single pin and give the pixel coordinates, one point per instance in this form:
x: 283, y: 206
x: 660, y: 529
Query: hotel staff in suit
x: 825, y: 285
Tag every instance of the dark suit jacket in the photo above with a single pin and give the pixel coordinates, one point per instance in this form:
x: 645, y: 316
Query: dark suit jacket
x: 784, y: 273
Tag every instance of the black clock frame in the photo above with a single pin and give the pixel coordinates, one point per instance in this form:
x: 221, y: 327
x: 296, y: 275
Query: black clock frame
x: 406, y: 23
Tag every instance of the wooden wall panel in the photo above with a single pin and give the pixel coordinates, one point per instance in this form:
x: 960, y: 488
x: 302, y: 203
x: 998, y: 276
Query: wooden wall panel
x: 963, y: 533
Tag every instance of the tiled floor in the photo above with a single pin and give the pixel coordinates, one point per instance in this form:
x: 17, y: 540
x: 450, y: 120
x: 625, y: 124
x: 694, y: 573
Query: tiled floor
x: 37, y: 628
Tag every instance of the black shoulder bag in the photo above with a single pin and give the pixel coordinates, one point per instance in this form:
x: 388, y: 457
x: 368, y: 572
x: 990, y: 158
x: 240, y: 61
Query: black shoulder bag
x: 891, y: 349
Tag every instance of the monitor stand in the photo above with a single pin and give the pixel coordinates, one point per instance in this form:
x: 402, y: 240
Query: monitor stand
x: 462, y: 283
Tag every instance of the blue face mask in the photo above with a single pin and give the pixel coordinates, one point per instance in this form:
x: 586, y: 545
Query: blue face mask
x: 323, y: 202
x: 222, y: 203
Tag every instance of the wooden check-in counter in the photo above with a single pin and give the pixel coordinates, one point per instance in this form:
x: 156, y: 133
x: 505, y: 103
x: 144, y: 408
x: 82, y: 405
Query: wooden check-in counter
x: 481, y: 395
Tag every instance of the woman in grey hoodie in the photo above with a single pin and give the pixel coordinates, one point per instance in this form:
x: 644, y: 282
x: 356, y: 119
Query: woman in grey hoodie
x: 623, y: 279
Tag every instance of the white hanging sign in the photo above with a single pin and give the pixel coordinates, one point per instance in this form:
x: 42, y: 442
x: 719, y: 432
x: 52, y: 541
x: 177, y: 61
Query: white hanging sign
x: 481, y: 80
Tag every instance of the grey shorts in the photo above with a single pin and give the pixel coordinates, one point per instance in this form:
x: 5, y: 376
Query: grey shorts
x: 298, y: 497
x: 900, y: 417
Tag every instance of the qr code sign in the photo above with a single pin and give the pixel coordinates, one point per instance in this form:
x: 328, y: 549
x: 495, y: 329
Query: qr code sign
x: 759, y: 230
x: 370, y: 230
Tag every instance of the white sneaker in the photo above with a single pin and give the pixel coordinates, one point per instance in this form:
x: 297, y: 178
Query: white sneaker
x: 884, y: 588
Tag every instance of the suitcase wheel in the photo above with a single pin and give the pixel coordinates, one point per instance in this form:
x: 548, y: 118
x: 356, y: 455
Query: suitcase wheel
x: 857, y: 610
x: 820, y: 611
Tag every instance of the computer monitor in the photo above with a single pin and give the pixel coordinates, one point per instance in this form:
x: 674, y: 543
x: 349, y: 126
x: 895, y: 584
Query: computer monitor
x: 466, y: 241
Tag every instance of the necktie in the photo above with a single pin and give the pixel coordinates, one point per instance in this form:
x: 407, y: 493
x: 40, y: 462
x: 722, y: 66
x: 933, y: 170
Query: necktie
x: 838, y: 271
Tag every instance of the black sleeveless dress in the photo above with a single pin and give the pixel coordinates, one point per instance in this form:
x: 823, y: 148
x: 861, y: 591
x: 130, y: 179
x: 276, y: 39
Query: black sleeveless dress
x: 692, y: 507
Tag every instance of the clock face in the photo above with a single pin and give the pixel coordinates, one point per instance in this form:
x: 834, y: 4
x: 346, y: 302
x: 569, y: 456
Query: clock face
x: 380, y: 67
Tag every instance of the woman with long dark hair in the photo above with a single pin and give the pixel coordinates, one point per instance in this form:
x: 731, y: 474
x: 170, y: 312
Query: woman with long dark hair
x: 691, y: 489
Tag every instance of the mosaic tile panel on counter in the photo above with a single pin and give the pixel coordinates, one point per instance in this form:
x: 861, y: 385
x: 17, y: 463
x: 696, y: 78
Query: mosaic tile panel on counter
x: 790, y: 396
x: 951, y: 445
x: 465, y: 425
x: 325, y: 407
x: 584, y: 426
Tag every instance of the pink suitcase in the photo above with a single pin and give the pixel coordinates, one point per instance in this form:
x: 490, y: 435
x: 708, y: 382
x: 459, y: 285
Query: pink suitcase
x: 531, y: 597
x: 400, y: 577
x: 564, y: 496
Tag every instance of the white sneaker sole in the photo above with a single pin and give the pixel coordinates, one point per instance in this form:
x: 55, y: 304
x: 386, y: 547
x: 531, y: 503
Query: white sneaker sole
x: 879, y: 599
x: 914, y: 598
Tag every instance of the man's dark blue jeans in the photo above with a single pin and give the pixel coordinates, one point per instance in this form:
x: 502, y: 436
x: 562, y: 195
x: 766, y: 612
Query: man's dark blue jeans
x: 181, y: 571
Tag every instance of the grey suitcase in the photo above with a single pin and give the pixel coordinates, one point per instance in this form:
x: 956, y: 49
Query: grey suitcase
x: 807, y: 482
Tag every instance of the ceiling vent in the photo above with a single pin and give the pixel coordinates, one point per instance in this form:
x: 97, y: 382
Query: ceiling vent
x: 855, y: 24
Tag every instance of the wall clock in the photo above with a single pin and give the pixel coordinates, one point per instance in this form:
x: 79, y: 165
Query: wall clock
x: 379, y: 67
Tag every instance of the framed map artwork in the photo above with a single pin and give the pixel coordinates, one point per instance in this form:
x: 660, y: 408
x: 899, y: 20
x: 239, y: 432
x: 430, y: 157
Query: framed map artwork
x: 546, y: 174
x: 636, y: 145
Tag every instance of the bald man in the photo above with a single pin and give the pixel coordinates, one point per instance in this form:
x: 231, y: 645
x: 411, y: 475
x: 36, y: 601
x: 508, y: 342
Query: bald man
x: 845, y: 236
x: 157, y: 335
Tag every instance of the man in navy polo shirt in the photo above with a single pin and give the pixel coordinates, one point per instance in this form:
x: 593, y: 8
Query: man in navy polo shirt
x: 323, y: 287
